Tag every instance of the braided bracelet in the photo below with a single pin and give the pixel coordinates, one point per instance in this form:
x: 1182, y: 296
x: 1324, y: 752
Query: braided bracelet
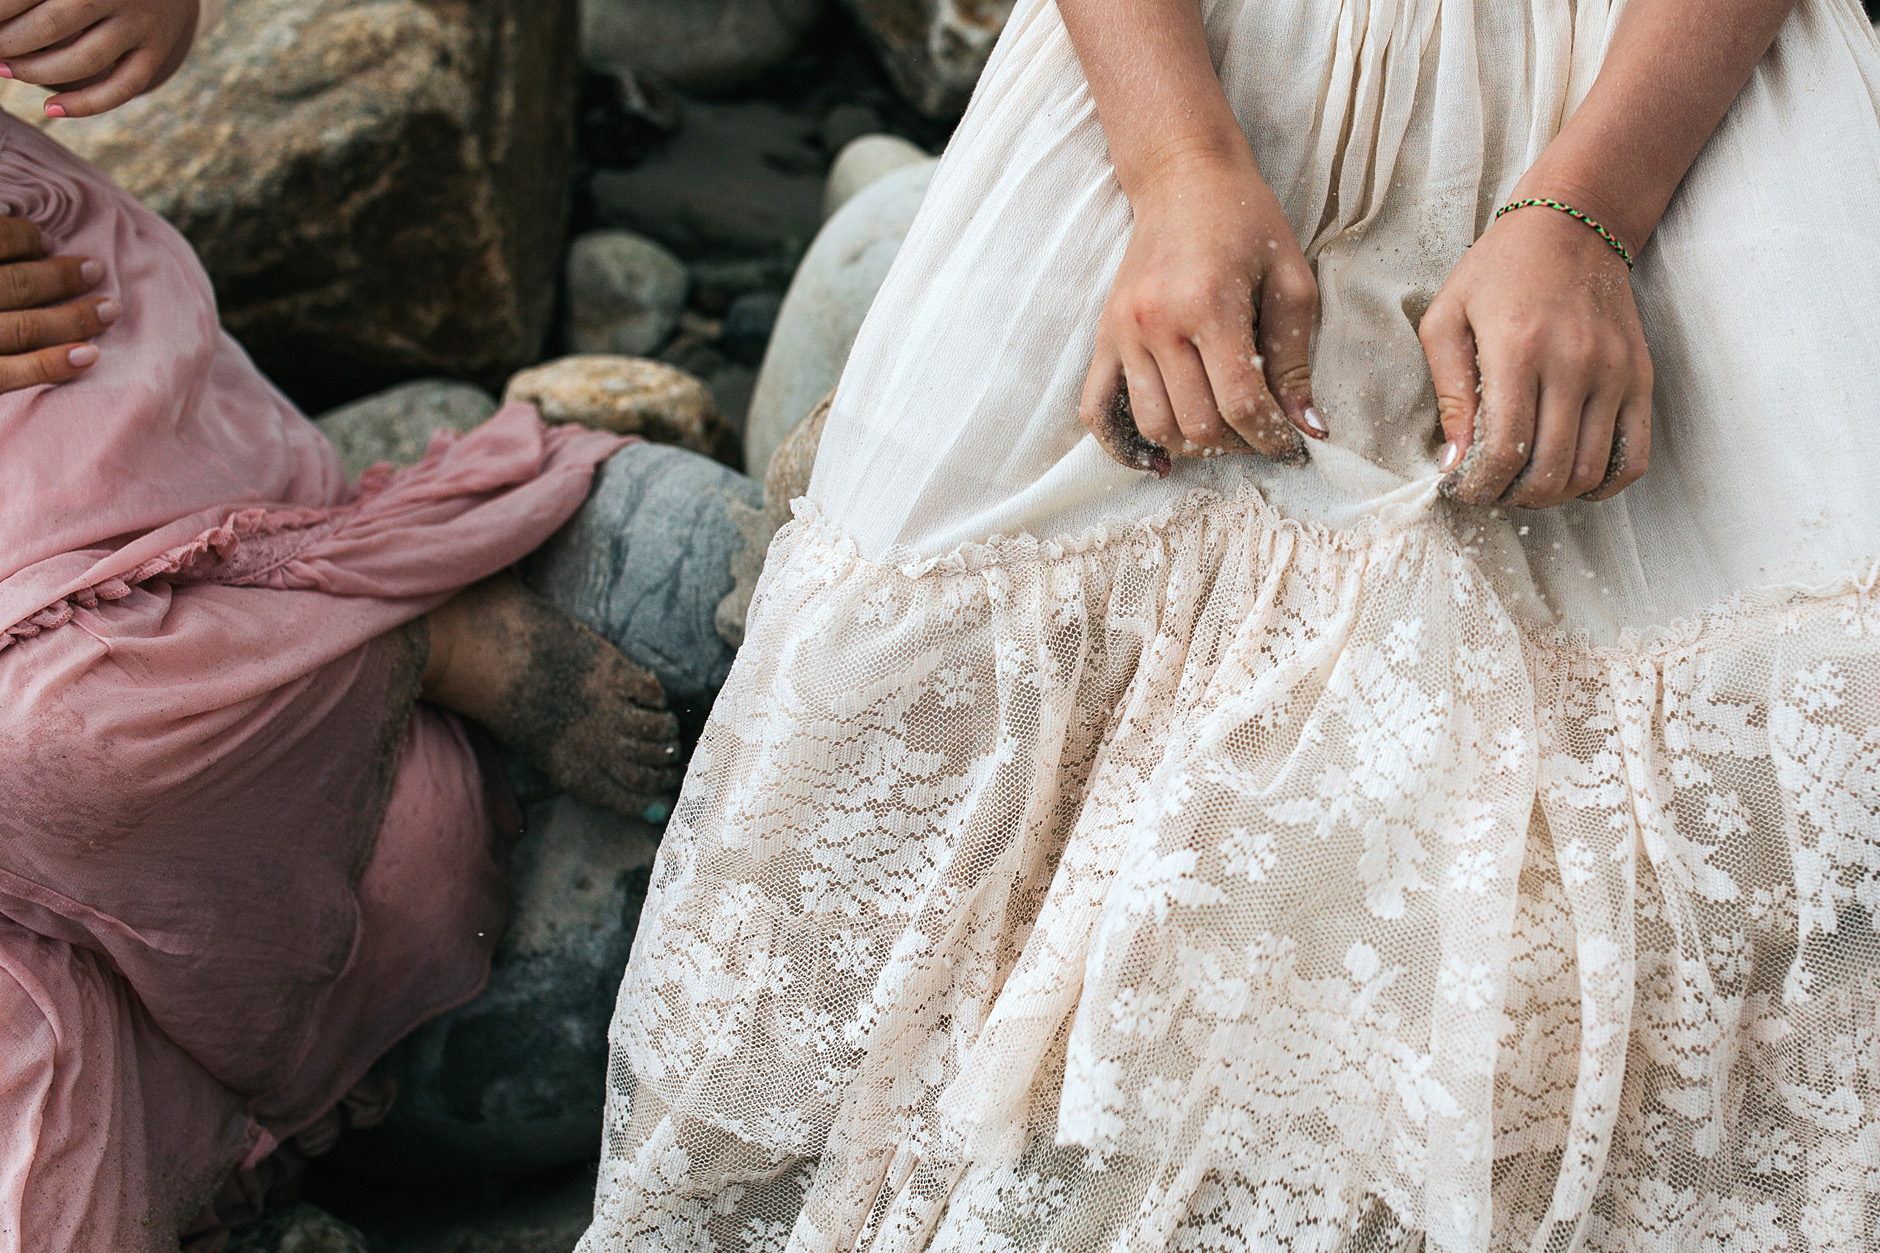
x: 1541, y: 202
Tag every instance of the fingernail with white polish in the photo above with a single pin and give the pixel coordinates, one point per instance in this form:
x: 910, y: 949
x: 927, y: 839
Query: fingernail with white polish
x: 1452, y: 453
x: 82, y: 356
x: 1314, y: 422
x: 109, y: 311
x: 90, y: 271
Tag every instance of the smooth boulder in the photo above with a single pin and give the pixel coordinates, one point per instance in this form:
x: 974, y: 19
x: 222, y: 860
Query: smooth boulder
x: 825, y: 305
x: 706, y: 46
x: 397, y: 424
x: 378, y: 188
x: 933, y: 49
x: 649, y: 558
x: 624, y: 293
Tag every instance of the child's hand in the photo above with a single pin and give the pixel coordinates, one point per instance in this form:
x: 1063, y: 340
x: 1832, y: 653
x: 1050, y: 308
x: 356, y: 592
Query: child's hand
x: 96, y: 54
x: 1543, y: 380
x: 1208, y: 325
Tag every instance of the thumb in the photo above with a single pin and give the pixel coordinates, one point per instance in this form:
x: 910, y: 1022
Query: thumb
x: 1449, y: 344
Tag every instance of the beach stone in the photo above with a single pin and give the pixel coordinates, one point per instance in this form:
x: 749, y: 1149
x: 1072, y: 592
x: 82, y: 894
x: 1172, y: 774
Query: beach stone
x: 396, y: 425
x: 824, y: 308
x: 739, y: 182
x: 514, y: 1082
x: 862, y: 163
x: 647, y: 560
x: 706, y: 46
x: 933, y: 49
x: 628, y: 396
x: 624, y: 293
x: 377, y: 187
x: 748, y: 324
x: 297, y: 1228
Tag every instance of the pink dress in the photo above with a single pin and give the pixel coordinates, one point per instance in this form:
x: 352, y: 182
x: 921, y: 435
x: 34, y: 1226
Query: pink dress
x: 237, y: 862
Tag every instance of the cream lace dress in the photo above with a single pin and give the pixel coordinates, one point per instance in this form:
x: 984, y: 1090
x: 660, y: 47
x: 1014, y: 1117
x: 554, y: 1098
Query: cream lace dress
x: 1287, y: 859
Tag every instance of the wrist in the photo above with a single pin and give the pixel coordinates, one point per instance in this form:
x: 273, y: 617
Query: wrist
x: 1171, y: 165
x: 1629, y: 220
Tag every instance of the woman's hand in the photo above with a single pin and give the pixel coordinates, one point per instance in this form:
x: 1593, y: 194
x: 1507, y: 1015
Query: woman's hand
x: 1543, y: 380
x: 42, y: 326
x: 96, y: 54
x: 1203, y: 346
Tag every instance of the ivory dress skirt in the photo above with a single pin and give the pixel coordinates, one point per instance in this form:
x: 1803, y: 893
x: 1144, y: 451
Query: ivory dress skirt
x: 1280, y: 858
x: 238, y: 859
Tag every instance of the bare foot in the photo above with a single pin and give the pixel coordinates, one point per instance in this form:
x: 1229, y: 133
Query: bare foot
x: 558, y: 694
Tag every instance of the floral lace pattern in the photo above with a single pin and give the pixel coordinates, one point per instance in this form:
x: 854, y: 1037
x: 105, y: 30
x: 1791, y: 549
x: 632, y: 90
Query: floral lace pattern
x: 1232, y: 883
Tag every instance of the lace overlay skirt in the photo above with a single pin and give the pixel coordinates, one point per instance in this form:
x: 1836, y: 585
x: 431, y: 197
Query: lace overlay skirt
x: 1287, y: 860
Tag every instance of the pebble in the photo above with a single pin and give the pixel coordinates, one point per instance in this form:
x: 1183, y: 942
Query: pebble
x: 708, y: 46
x: 628, y: 396
x: 862, y: 163
x: 748, y: 324
x: 624, y: 293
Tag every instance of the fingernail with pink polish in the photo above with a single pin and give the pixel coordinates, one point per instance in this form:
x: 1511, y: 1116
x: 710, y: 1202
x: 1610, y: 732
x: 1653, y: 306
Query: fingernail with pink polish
x: 109, y: 311
x: 90, y: 271
x: 82, y: 356
x: 6, y: 71
x: 1452, y: 453
x: 1315, y: 423
x: 55, y: 110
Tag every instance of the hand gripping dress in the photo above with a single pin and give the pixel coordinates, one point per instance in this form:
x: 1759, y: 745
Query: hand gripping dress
x: 237, y: 859
x: 1288, y: 859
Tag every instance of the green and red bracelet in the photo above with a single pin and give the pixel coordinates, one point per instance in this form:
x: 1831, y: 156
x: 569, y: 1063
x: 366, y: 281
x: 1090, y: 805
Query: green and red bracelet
x: 1540, y: 202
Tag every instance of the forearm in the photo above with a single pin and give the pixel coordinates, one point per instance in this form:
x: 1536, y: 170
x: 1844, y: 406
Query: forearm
x: 1670, y: 74
x: 1156, y: 92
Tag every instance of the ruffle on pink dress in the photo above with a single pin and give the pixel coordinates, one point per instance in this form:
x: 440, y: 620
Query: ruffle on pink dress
x: 237, y: 862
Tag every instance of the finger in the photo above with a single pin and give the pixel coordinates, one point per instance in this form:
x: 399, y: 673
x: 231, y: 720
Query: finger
x: 1631, y: 447
x: 20, y: 241
x: 10, y: 9
x: 1105, y: 411
x: 45, y: 24
x: 31, y: 284
x: 122, y: 85
x: 84, y: 58
x: 1449, y: 347
x: 1593, y: 455
x: 1503, y: 434
x: 1289, y: 300
x: 1251, y: 413
x: 1148, y: 398
x: 1542, y: 482
x: 47, y: 366
x: 1202, y: 431
x: 29, y: 330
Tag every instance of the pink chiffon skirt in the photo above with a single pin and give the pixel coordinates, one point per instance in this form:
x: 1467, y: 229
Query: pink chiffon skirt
x: 238, y: 860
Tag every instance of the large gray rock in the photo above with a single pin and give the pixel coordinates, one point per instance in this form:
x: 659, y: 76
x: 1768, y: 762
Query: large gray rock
x: 707, y: 46
x: 624, y: 293
x: 740, y: 183
x: 826, y: 304
x: 377, y: 187
x: 396, y: 425
x: 647, y: 561
x: 934, y: 49
x: 514, y: 1082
